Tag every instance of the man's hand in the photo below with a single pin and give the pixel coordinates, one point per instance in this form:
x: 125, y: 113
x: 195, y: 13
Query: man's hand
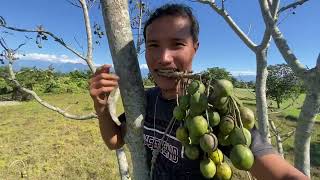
x: 100, y: 86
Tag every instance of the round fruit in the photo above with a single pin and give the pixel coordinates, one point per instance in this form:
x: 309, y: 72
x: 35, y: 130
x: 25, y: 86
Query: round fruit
x: 182, y: 135
x: 241, y: 157
x: 208, y: 142
x: 223, y: 88
x: 214, y: 118
x: 192, y: 152
x: 247, y: 117
x: 198, y: 126
x: 207, y: 168
x: 216, y: 156
x: 224, y: 140
x: 198, y: 103
x: 226, y: 125
x: 221, y: 103
x: 193, y: 87
x: 202, y: 88
x: 194, y: 139
x: 184, y: 102
x: 224, y: 171
x: 240, y: 136
x: 178, y: 113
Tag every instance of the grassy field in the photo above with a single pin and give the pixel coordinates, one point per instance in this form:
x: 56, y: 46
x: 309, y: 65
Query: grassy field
x: 36, y: 143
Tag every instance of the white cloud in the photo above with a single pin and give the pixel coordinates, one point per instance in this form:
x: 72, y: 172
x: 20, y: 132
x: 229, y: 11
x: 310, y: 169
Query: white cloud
x: 143, y: 66
x: 244, y: 72
x: 50, y: 57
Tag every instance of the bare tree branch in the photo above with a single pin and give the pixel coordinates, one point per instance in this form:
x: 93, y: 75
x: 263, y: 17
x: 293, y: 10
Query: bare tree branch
x: 251, y: 45
x: 74, y: 4
x: 45, y: 104
x: 267, y: 33
x: 281, y: 43
x: 89, y: 35
x: 278, y: 138
x: 56, y: 38
x: 318, y: 62
x: 292, y: 5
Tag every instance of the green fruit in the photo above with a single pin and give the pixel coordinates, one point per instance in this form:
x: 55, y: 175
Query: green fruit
x: 198, y: 103
x: 193, y: 87
x: 247, y: 117
x: 224, y: 171
x: 184, y: 102
x: 202, y: 88
x: 224, y: 140
x: 194, y: 139
x: 240, y: 136
x: 182, y: 135
x: 207, y: 168
x: 226, y: 125
x: 241, y: 157
x: 220, y: 103
x: 198, y: 126
x: 192, y: 152
x: 208, y: 142
x: 214, y: 118
x: 178, y: 113
x: 223, y: 88
x: 216, y: 156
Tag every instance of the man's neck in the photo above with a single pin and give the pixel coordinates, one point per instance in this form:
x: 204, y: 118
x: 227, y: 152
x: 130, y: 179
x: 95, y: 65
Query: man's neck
x: 169, y: 93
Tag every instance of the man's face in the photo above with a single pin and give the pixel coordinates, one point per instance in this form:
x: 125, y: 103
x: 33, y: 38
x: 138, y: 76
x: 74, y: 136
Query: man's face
x: 169, y: 45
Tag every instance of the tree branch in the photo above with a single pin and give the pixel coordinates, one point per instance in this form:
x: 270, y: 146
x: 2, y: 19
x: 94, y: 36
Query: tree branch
x: 247, y: 41
x: 292, y: 5
x: 56, y: 38
x: 89, y: 35
x: 12, y: 78
x: 318, y: 62
x: 280, y: 41
x: 267, y: 33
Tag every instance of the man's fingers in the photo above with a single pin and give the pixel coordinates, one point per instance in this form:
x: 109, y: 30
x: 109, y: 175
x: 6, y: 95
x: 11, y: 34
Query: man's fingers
x: 104, y: 68
x: 101, y: 91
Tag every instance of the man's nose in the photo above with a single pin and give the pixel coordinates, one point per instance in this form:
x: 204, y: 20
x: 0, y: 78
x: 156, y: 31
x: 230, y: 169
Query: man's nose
x: 165, y: 57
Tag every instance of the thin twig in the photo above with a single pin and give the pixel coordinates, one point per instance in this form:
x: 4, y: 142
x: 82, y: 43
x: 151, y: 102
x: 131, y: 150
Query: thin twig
x: 292, y: 5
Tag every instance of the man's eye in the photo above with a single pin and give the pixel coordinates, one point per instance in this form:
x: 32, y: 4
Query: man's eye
x: 152, y: 45
x: 179, y: 44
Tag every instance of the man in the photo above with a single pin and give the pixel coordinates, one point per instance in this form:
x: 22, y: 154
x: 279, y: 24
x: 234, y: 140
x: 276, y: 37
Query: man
x: 171, y: 37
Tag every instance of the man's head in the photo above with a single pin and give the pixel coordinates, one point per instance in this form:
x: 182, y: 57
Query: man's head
x: 171, y: 36
x: 176, y: 10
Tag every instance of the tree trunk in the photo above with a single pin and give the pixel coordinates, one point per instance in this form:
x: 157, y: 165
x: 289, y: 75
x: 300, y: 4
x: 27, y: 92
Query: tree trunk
x: 261, y: 98
x: 278, y: 103
x: 305, y: 124
x: 118, y: 29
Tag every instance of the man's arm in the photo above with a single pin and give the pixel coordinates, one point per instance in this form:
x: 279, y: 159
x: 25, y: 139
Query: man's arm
x: 274, y: 167
x: 101, y: 84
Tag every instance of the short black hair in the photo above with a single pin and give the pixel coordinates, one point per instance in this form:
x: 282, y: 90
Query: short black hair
x: 175, y: 10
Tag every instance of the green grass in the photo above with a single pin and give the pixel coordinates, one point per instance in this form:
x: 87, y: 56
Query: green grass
x: 41, y: 144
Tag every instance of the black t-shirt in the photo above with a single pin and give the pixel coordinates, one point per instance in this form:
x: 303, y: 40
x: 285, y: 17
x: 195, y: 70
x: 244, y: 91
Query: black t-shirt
x: 171, y: 162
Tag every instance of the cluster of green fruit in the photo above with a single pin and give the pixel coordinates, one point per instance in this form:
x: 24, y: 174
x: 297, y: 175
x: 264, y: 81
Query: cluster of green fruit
x: 209, y: 119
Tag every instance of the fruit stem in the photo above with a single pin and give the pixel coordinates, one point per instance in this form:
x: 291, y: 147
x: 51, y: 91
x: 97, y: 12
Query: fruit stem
x: 239, y: 116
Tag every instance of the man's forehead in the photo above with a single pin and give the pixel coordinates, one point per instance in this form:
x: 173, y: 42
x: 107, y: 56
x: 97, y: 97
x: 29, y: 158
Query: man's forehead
x: 171, y: 27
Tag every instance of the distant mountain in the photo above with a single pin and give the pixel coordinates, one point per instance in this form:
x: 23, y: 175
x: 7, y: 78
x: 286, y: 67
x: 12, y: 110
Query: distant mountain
x: 246, y: 78
x: 58, y: 66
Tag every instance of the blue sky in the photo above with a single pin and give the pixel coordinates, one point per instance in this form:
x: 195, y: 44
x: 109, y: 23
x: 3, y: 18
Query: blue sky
x: 219, y: 46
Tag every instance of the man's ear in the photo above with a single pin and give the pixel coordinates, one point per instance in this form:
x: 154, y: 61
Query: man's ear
x: 196, y: 46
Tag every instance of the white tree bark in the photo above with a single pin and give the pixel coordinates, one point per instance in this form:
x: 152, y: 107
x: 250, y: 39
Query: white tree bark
x: 118, y: 29
x: 261, y: 98
x: 261, y: 60
x: 311, y: 79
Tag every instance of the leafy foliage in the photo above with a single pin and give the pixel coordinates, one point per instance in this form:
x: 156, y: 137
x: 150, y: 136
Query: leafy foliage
x: 282, y: 84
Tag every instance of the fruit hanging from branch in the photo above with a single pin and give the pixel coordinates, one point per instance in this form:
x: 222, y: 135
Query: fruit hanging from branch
x: 210, y: 117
